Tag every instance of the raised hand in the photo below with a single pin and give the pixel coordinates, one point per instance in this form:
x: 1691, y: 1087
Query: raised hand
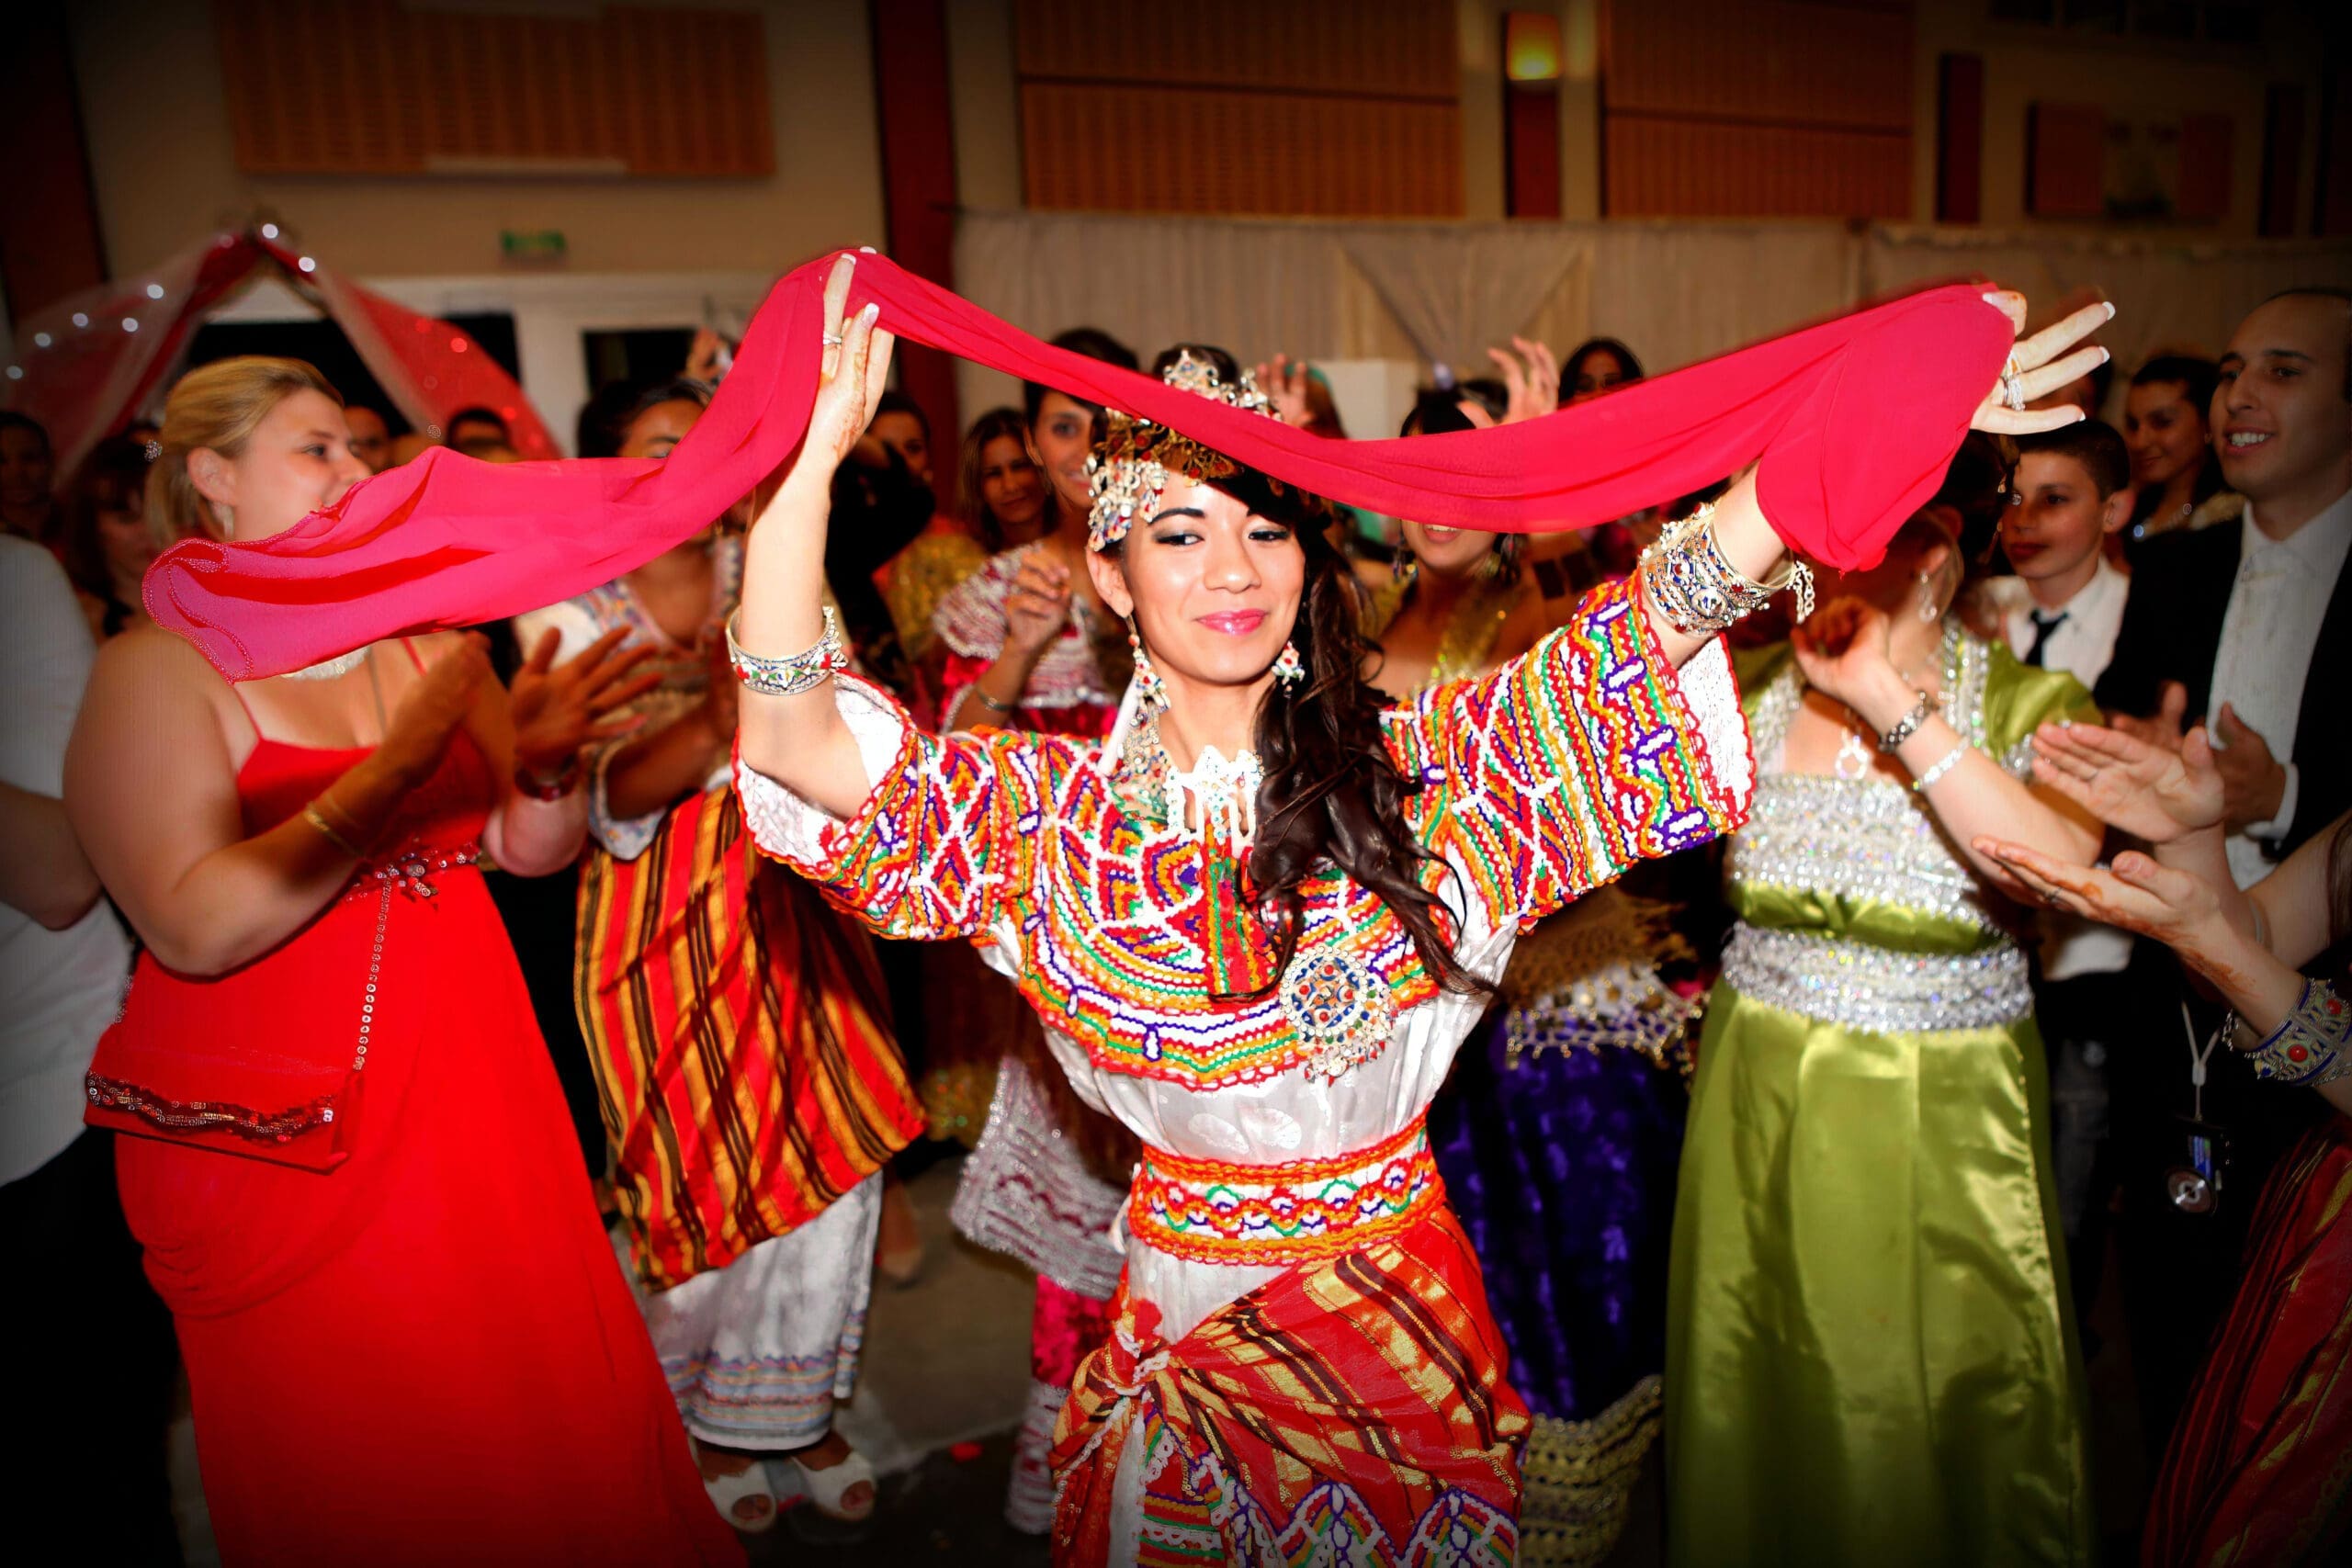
x: 560, y: 708
x: 1284, y: 380
x: 2153, y: 793
x: 1531, y: 375
x: 433, y: 709
x: 855, y: 371
x: 2039, y: 368
x: 706, y: 355
x: 2181, y: 911
x: 1037, y: 608
x: 1843, y: 652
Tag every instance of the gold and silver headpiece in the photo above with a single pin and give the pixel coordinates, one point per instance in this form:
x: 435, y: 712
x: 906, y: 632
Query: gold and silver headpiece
x: 1130, y: 471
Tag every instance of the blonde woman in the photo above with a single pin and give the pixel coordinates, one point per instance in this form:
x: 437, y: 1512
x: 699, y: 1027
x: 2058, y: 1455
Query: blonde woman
x: 354, y: 1176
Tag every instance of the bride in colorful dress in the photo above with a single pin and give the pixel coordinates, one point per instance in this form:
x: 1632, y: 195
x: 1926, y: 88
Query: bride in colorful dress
x: 1257, y: 920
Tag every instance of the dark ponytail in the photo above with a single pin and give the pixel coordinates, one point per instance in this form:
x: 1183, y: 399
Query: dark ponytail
x: 1331, y: 795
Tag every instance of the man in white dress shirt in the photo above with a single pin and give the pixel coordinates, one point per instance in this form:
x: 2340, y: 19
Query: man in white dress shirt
x: 2246, y: 627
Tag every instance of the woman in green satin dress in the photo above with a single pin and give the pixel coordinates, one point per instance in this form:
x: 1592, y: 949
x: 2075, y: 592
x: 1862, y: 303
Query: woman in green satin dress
x: 1870, y: 1357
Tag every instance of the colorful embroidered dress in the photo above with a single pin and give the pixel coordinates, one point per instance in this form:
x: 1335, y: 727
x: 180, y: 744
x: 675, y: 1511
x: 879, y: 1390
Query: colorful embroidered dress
x: 1064, y: 693
x: 1869, y: 1356
x: 1302, y: 1360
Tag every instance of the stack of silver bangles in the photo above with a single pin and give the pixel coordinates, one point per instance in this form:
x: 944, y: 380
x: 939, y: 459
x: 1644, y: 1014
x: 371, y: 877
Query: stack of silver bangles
x: 789, y: 677
x: 2313, y: 1045
x: 1698, y: 589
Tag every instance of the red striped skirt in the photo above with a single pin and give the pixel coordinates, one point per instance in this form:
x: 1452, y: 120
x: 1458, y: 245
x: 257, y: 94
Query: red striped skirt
x: 1352, y: 1409
x: 743, y: 1053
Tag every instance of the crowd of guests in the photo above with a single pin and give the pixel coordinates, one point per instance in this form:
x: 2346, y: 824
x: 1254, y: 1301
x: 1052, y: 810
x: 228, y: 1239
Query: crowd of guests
x: 1838, y: 1245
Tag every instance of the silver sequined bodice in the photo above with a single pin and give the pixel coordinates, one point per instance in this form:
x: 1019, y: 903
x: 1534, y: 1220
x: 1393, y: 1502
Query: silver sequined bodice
x: 1868, y: 840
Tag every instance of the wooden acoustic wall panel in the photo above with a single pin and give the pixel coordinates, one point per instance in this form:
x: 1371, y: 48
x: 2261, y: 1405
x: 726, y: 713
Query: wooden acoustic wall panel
x: 2065, y: 160
x: 335, y: 86
x: 1682, y: 168
x: 1191, y: 150
x: 2332, y: 216
x: 1402, y: 48
x: 2204, y: 193
x: 1736, y: 108
x: 1297, y: 107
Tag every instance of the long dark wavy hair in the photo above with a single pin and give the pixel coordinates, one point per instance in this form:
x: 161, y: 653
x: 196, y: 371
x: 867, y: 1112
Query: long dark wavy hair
x: 1331, y: 795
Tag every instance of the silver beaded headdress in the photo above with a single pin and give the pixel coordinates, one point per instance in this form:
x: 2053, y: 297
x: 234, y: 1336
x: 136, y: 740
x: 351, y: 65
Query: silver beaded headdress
x: 1129, y: 470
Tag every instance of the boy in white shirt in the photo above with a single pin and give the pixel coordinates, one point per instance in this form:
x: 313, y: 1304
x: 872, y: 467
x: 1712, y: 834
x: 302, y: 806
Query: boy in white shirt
x: 2060, y: 612
x: 2064, y: 605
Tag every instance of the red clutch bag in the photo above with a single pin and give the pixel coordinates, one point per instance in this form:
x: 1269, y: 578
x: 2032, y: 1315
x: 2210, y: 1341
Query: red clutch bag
x: 264, y: 1061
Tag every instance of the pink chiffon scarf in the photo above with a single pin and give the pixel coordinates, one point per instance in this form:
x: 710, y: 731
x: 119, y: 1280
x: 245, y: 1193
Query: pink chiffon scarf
x: 1851, y: 421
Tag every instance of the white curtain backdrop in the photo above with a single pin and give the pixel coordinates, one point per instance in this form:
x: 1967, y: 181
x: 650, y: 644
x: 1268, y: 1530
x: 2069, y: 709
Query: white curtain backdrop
x: 1675, y: 292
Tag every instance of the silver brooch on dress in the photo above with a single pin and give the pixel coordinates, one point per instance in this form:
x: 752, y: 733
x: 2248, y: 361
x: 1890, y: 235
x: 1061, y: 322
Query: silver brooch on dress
x: 1340, y: 1008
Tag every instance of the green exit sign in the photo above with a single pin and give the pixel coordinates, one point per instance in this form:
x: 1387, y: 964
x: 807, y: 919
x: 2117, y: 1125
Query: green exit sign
x: 531, y: 247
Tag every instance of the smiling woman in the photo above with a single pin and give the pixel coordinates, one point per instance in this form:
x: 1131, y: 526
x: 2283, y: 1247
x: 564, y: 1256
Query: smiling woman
x: 1258, y: 920
x: 382, y: 1308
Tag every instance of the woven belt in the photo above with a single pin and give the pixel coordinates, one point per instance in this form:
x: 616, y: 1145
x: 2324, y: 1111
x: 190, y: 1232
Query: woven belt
x: 1877, y: 988
x: 1217, y: 1212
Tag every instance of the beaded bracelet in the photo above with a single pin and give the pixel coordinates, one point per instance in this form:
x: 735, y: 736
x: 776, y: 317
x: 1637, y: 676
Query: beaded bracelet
x: 1908, y: 726
x: 2306, y: 1046
x: 789, y: 677
x: 1699, y: 591
x: 1938, y: 768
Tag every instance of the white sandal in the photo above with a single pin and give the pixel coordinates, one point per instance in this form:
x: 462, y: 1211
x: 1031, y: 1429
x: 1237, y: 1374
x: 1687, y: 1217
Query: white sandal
x: 826, y: 1487
x: 725, y: 1491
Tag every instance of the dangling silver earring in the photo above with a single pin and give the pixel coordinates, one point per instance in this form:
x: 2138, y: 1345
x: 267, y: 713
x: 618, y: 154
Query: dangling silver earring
x: 1155, y: 690
x: 1929, y: 609
x: 1290, y: 669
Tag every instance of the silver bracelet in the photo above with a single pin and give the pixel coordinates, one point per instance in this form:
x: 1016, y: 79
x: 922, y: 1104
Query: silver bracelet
x: 789, y: 677
x: 1942, y: 766
x: 1698, y: 589
x: 2308, y: 1045
x: 1908, y: 725
x: 990, y: 703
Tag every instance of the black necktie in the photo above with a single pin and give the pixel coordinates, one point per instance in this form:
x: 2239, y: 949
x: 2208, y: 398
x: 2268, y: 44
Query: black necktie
x: 2041, y: 630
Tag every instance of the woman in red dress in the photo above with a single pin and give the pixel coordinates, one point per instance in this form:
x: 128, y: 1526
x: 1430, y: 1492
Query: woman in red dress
x: 405, y: 1336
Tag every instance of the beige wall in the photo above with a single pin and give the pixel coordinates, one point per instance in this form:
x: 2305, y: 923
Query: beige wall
x: 2024, y: 65
x: 165, y: 174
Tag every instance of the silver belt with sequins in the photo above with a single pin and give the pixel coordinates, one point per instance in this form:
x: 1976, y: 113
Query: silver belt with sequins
x: 1877, y: 988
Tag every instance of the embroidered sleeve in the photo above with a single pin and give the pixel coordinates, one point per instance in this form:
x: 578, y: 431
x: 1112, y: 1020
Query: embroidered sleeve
x: 1556, y: 772
x: 943, y: 844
